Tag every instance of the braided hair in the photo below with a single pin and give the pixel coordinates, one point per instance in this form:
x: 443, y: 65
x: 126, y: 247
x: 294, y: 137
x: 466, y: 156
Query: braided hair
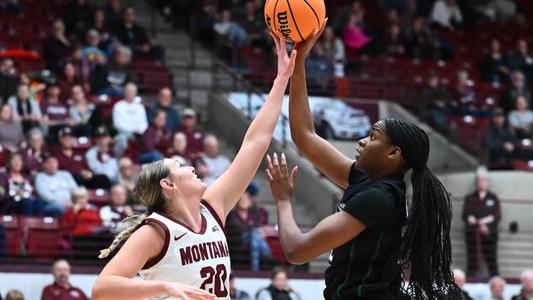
x: 425, y: 245
x: 150, y: 195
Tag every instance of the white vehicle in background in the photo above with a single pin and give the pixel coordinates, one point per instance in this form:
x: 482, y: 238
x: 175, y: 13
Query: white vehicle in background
x: 335, y: 119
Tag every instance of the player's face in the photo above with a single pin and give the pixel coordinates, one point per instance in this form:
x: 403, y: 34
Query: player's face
x: 372, y: 150
x: 184, y: 177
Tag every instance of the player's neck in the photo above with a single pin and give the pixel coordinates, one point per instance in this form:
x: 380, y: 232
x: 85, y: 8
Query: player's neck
x: 186, y: 211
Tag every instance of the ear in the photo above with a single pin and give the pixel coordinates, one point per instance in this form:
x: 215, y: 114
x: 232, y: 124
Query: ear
x: 395, y: 153
x: 166, y: 184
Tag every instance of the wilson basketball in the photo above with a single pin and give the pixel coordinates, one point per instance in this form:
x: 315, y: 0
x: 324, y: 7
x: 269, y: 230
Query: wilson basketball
x: 296, y: 19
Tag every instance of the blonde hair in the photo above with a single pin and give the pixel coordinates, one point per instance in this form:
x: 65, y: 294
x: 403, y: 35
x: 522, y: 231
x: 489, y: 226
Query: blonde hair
x: 150, y: 195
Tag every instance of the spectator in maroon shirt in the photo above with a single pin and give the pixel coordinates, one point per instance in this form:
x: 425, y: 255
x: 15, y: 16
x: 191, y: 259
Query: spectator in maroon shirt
x: 61, y: 288
x: 75, y: 163
x: 178, y: 151
x: 195, y: 137
x: 55, y: 113
x: 34, y: 151
x: 67, y: 80
x: 481, y: 214
x: 155, y: 139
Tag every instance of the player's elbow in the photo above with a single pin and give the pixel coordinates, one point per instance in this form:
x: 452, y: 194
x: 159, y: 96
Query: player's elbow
x: 296, y: 257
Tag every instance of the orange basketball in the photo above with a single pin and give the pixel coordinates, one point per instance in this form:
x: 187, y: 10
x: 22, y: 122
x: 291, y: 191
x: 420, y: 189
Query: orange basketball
x: 296, y: 19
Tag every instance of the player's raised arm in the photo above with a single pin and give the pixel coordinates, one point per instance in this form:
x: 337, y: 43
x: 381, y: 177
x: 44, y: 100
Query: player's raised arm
x: 322, y: 154
x: 223, y: 194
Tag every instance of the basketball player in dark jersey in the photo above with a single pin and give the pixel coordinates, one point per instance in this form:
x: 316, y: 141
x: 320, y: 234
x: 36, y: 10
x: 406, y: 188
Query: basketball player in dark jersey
x: 369, y: 253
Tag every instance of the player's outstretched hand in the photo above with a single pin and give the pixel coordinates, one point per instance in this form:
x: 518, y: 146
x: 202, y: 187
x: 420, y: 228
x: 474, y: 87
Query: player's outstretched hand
x: 305, y: 47
x: 281, y: 183
x: 285, y: 62
x: 187, y: 292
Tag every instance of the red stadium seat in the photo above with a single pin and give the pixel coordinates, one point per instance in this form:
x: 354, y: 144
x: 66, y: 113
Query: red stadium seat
x: 42, y: 236
x: 13, y: 235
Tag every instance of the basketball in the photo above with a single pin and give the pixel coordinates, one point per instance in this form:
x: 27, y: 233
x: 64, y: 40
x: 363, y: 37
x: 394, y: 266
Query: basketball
x: 296, y: 19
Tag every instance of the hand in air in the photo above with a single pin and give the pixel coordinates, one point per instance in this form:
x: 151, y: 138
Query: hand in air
x: 285, y: 62
x: 187, y: 292
x: 281, y: 183
x: 305, y: 47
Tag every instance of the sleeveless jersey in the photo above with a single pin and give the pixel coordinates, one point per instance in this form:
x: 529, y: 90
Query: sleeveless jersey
x: 199, y: 259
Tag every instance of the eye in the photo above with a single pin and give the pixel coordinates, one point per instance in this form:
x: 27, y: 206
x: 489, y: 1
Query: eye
x: 372, y: 137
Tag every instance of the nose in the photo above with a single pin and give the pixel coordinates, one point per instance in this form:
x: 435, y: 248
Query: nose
x: 362, y: 142
x: 193, y: 170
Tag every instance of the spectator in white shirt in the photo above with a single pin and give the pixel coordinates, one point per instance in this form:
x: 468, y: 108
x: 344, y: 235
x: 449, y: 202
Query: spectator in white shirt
x: 216, y: 164
x: 113, y: 214
x: 521, y: 119
x: 129, y: 118
x: 100, y: 157
x: 497, y: 286
x: 446, y: 13
x: 54, y: 186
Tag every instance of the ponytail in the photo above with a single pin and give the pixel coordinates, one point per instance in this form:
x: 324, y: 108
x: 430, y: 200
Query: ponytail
x: 134, y: 222
x: 426, y: 242
x: 425, y: 245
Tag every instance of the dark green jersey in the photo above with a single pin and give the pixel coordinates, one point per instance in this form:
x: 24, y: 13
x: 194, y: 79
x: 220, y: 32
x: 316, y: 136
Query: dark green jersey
x: 366, y: 267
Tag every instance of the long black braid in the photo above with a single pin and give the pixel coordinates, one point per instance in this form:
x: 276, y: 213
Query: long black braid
x: 425, y: 245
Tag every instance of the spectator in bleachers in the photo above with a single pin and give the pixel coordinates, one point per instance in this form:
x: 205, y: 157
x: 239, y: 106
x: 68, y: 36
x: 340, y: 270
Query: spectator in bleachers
x: 10, y: 130
x: 110, y: 79
x: 74, y: 162
x: 129, y: 118
x: 500, y: 140
x: 67, y: 80
x: 100, y: 24
x: 460, y: 280
x: 55, y: 113
x: 178, y: 150
x: 392, y: 45
x: 517, y: 88
x: 526, y: 279
x: 11, y: 6
x: 279, y: 288
x: 77, y: 17
x: 215, y: 162
x: 82, y: 67
x: 25, y: 108
x: 521, y: 119
x: 446, y: 14
x: 84, y: 115
x: 8, y: 79
x: 34, y: 151
x: 436, y: 103
x: 353, y: 35
x: 20, y: 195
x: 521, y: 59
x: 234, y: 293
x: 81, y: 218
x: 497, y: 286
x: 134, y: 36
x: 481, y: 214
x: 155, y: 139
x: 127, y: 176
x: 229, y: 30
x: 334, y: 50
x: 54, y: 186
x: 56, y: 47
x: 118, y: 209
x: 61, y: 288
x: 319, y: 71
x: 165, y: 103
x: 112, y: 13
x: 245, y: 222
x: 195, y: 136
x: 420, y: 43
x: 344, y: 14
x: 92, y: 52
x: 494, y: 67
x: 252, y: 25
x: 464, y: 96
x: 14, y: 295
x: 100, y: 157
